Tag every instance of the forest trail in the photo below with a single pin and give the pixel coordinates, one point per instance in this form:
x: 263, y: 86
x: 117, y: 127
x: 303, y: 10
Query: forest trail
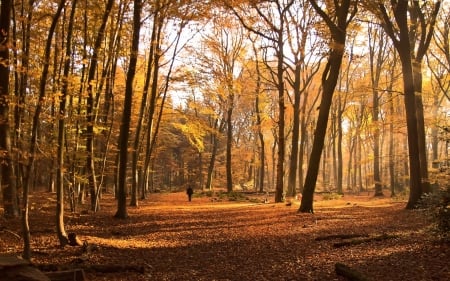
x: 173, y: 239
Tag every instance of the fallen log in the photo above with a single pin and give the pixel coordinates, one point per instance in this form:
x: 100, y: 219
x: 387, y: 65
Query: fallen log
x: 349, y: 273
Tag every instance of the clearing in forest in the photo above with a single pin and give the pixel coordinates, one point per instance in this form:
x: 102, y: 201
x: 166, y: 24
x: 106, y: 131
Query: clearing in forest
x: 169, y: 238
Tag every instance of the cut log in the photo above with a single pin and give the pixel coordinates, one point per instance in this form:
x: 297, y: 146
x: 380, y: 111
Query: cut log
x: 349, y: 273
x: 67, y: 275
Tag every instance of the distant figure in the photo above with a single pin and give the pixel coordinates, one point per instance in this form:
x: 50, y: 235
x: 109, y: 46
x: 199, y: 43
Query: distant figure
x: 189, y: 192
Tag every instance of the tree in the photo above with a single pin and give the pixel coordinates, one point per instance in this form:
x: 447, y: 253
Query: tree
x: 259, y: 119
x: 224, y: 49
x: 337, y: 23
x: 302, y: 69
x: 438, y: 61
x: 399, y: 32
x: 34, y: 133
x: 126, y: 115
x: 7, y: 174
x: 272, y: 16
x: 90, y: 110
x: 423, y: 20
x: 62, y: 235
x: 378, y: 53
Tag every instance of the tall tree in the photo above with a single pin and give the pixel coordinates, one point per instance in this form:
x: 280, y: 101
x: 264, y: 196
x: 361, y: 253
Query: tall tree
x: 423, y: 20
x: 272, y: 16
x: 62, y: 235
x: 302, y: 68
x: 378, y: 54
x: 126, y: 115
x: 7, y: 177
x: 398, y: 30
x: 259, y: 120
x: 34, y: 133
x: 147, y: 107
x: 90, y: 114
x: 341, y: 14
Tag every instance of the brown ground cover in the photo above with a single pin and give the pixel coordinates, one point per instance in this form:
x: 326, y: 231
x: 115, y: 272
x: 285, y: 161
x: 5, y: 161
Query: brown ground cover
x: 172, y: 239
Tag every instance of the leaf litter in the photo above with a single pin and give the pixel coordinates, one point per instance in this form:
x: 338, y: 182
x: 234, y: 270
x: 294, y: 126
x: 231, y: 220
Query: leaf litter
x: 173, y: 239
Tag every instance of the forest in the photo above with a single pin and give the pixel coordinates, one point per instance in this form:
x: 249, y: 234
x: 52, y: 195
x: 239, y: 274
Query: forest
x: 291, y: 100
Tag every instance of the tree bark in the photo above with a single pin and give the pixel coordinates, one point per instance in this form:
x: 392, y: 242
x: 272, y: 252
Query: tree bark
x: 126, y: 115
x: 34, y: 134
x: 7, y: 173
x: 60, y: 229
x: 329, y: 80
x: 403, y: 42
x: 90, y: 114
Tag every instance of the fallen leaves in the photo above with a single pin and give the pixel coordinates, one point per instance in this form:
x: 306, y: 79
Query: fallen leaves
x: 202, y: 240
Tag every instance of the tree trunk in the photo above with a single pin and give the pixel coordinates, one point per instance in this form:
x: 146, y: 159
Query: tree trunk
x: 417, y: 77
x: 418, y: 18
x: 142, y: 112
x: 7, y: 174
x: 62, y: 235
x: 229, y: 145
x: 151, y: 133
x: 90, y: 114
x: 34, y: 134
x: 262, y: 155
x: 293, y: 164
x: 279, y: 189
x: 329, y: 80
x: 340, y: 162
x: 404, y: 48
x: 126, y: 117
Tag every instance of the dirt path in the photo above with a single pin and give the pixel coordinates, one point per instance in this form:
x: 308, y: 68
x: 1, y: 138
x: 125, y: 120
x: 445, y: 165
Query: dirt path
x: 203, y: 240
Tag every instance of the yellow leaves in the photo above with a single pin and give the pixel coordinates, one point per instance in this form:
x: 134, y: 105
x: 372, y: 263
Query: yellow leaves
x: 194, y: 133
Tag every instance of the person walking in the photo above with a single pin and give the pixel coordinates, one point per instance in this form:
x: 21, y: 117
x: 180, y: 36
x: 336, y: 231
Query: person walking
x: 189, y: 192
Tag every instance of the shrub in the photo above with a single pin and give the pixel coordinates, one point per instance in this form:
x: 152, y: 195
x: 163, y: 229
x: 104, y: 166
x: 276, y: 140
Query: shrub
x: 437, y: 205
x: 331, y: 196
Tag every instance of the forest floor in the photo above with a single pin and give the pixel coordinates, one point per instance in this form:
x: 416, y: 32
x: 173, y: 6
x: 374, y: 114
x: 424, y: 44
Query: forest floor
x: 168, y: 238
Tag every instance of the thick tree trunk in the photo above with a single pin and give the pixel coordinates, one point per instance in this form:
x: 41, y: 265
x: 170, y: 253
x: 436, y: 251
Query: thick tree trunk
x: 126, y: 117
x: 413, y: 135
x: 329, y: 80
x: 7, y: 175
